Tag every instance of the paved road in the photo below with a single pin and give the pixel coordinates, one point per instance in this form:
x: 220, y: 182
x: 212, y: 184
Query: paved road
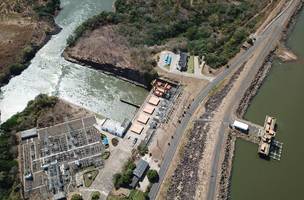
x: 267, y: 43
x: 234, y: 65
x: 184, y: 123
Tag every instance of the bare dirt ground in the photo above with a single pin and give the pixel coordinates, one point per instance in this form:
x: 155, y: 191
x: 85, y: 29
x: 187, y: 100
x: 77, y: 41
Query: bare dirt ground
x: 20, y: 28
x: 103, y: 46
x: 191, y: 88
x: 13, y: 38
x: 60, y: 113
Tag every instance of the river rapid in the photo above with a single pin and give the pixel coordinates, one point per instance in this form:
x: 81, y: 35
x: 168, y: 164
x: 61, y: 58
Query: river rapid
x: 280, y: 96
x: 51, y: 74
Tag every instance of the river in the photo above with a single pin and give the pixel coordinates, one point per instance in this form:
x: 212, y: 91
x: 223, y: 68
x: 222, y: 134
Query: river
x: 50, y: 73
x: 280, y: 96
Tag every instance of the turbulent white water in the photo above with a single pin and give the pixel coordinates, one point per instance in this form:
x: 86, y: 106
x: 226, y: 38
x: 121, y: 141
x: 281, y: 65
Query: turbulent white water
x: 50, y: 73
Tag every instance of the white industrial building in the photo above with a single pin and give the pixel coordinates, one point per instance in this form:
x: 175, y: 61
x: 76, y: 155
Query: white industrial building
x: 240, y: 126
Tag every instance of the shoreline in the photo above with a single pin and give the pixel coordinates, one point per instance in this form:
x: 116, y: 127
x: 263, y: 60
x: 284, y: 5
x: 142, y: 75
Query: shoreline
x: 26, y: 62
x: 106, y: 70
x: 251, y: 92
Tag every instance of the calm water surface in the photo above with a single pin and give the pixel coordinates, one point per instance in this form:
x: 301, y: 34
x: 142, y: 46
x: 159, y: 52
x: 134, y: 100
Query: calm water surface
x: 281, y: 96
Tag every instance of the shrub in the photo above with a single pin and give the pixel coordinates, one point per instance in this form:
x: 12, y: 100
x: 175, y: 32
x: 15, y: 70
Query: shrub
x: 153, y: 176
x: 106, y: 155
x: 76, y: 197
x: 115, y: 142
x: 95, y: 195
x: 48, y: 9
x: 124, y: 178
x: 142, y: 149
x: 17, y: 68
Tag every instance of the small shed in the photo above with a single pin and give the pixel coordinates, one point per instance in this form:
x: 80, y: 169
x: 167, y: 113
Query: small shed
x: 182, y: 63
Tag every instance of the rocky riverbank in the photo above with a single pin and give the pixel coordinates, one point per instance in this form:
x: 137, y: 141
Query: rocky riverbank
x: 23, y: 32
x: 104, y: 49
x: 226, y: 167
x: 130, y: 75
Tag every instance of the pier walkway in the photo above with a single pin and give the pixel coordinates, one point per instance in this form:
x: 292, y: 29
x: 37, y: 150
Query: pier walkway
x: 256, y: 134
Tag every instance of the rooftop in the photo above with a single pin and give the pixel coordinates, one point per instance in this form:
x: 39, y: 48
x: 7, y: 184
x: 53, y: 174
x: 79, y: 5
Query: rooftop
x: 137, y: 128
x: 149, y: 109
x: 141, y: 168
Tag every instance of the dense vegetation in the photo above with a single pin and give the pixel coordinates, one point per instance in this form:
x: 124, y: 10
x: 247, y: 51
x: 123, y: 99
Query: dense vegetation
x: 8, y: 151
x: 48, y: 9
x: 153, y: 176
x: 214, y: 29
x: 20, y: 64
x: 124, y: 178
x: 142, y: 149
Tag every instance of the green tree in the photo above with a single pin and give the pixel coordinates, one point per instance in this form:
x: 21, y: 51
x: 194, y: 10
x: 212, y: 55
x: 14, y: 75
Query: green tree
x: 153, y: 176
x: 95, y: 195
x: 142, y: 149
x: 117, y: 180
x: 76, y: 197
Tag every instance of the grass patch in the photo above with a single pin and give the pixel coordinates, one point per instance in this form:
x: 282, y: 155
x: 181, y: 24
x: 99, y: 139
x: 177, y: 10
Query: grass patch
x: 167, y: 67
x: 190, y: 64
x: 134, y: 195
x: 89, y: 177
x: 113, y: 197
x: 217, y: 87
x: 106, y: 155
x: 138, y: 195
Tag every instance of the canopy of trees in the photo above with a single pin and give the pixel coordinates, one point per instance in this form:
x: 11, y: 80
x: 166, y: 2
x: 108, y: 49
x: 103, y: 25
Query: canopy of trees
x: 214, y: 29
x: 152, y: 176
x: 125, y: 178
x: 8, y: 145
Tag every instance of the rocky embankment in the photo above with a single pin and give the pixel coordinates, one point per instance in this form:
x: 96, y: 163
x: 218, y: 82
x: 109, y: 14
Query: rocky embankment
x: 104, y: 49
x: 186, y: 176
x: 285, y: 55
x: 229, y: 147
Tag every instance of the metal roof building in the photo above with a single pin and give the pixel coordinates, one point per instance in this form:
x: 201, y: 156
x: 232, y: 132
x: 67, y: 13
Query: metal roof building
x: 29, y: 134
x: 183, y: 61
x: 141, y: 168
x: 116, y: 128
